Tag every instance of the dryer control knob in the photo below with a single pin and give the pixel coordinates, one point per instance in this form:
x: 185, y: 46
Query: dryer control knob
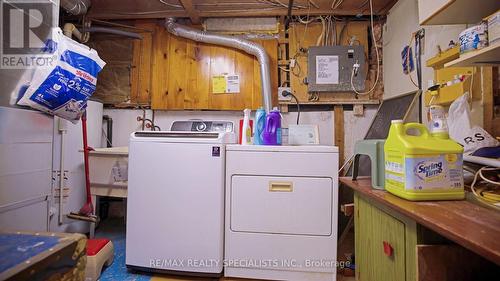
x: 200, y: 127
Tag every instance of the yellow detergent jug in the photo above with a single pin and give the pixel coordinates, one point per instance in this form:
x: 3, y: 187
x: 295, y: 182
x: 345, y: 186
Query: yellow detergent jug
x: 423, y: 167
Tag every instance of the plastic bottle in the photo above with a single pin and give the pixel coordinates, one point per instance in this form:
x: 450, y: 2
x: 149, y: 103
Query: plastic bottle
x: 439, y: 125
x: 260, y: 121
x: 246, y: 135
x: 427, y: 166
x: 272, y: 129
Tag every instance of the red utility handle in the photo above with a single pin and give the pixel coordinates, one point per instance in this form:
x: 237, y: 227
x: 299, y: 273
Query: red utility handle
x: 388, y: 250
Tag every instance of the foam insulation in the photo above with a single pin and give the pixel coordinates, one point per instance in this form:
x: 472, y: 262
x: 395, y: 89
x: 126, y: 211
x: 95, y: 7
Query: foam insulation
x: 242, y: 25
x: 113, y: 85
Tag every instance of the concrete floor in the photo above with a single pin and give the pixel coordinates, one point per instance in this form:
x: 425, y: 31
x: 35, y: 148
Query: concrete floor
x: 114, y: 229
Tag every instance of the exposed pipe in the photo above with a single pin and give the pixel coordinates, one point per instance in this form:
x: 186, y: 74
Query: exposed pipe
x: 112, y: 31
x: 234, y: 42
x: 70, y: 30
x: 62, y: 130
x: 109, y: 130
x: 76, y: 7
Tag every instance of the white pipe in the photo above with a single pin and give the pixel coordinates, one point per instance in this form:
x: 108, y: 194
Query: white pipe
x: 70, y: 29
x: 76, y: 7
x: 112, y: 31
x: 233, y: 42
x: 62, y: 130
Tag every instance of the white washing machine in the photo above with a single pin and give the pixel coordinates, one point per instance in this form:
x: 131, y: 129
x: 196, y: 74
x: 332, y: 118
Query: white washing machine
x: 281, y: 212
x: 175, y: 205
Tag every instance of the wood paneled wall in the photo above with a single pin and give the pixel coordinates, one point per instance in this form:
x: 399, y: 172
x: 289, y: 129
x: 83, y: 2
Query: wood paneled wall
x: 182, y: 70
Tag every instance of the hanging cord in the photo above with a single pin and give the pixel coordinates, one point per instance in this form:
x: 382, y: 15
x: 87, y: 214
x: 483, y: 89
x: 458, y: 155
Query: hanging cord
x: 356, y: 65
x: 408, y: 60
x: 418, y: 56
x: 487, y: 195
x: 286, y: 94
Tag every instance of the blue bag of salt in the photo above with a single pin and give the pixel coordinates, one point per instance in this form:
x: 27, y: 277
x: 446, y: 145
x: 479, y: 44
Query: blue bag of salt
x: 63, y: 88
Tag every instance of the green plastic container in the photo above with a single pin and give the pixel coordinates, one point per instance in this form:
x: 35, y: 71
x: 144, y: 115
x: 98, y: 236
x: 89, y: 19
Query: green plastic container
x: 423, y: 167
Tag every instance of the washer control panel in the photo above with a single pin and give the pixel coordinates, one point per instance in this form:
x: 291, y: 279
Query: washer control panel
x: 203, y: 126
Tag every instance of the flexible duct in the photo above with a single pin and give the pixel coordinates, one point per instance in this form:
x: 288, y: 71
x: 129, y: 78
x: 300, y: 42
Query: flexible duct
x: 75, y: 7
x: 234, y: 42
x: 112, y: 31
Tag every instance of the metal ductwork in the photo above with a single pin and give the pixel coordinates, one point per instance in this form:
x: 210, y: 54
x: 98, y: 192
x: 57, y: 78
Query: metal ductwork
x: 233, y: 42
x: 76, y: 7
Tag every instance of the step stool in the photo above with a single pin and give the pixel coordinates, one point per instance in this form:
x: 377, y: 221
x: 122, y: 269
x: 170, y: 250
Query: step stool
x: 374, y: 149
x: 99, y: 253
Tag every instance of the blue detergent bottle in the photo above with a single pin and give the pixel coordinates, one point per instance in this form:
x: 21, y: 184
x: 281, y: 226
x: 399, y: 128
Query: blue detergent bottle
x: 272, y: 128
x: 260, y: 121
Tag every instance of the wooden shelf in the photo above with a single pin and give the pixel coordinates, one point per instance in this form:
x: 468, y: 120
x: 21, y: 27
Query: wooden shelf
x: 333, y: 102
x: 489, y: 56
x: 461, y: 12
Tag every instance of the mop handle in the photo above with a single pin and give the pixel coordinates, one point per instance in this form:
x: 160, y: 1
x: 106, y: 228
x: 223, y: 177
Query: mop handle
x: 86, y: 157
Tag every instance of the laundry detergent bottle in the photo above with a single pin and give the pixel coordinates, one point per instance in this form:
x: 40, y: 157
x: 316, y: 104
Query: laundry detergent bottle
x: 422, y: 167
x: 272, y: 128
x: 260, y: 121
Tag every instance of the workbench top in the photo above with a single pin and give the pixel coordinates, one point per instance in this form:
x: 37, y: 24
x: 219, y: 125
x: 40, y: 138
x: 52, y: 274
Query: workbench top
x: 474, y: 227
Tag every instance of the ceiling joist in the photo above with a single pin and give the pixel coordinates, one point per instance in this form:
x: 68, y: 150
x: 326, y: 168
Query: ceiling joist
x: 193, y: 14
x: 198, y: 9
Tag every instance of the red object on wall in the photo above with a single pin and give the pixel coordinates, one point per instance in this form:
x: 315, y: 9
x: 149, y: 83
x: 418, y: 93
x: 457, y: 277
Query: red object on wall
x: 388, y: 249
x: 241, y: 127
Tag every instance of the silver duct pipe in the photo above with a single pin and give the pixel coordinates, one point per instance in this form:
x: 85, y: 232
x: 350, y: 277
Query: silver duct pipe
x: 75, y: 7
x: 112, y: 31
x: 234, y: 42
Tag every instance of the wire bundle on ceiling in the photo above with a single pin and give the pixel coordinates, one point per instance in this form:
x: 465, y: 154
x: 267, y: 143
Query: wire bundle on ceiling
x: 489, y: 191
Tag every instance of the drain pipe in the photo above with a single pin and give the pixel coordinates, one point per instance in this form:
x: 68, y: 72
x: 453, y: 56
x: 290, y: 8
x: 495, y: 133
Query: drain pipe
x: 70, y: 30
x: 233, y: 42
x: 112, y: 31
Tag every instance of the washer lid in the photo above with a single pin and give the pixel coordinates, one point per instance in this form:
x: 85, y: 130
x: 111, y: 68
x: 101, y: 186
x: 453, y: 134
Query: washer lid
x: 183, y: 137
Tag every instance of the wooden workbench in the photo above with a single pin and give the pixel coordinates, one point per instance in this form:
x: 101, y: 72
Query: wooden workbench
x: 467, y: 224
x: 42, y: 256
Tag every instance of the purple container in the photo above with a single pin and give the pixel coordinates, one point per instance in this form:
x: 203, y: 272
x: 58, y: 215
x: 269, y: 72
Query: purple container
x: 272, y: 129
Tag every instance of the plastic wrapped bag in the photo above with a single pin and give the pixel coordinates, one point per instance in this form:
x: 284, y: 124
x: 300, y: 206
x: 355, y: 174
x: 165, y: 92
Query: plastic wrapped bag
x: 63, y: 88
x: 462, y: 131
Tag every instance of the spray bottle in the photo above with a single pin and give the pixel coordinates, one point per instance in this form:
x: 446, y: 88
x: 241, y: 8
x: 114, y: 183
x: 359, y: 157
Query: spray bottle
x: 246, y: 130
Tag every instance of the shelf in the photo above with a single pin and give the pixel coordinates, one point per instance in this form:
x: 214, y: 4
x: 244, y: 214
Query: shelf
x: 460, y: 12
x: 489, y: 56
x: 438, y: 61
x: 333, y: 102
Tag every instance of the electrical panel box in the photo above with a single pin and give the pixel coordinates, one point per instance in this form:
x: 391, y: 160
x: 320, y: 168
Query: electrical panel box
x: 330, y: 68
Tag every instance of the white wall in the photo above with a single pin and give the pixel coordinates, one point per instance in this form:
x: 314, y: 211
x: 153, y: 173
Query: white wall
x: 125, y: 122
x: 402, y: 21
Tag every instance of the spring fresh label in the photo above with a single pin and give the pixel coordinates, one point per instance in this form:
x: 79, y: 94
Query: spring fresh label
x: 434, y: 172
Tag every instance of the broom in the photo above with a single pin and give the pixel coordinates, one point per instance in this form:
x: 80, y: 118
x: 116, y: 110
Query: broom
x: 86, y: 213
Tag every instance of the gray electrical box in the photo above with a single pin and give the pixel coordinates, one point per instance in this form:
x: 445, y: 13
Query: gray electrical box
x: 330, y: 68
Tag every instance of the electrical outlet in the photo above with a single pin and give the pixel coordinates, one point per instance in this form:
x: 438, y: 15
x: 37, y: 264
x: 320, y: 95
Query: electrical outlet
x: 280, y: 93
